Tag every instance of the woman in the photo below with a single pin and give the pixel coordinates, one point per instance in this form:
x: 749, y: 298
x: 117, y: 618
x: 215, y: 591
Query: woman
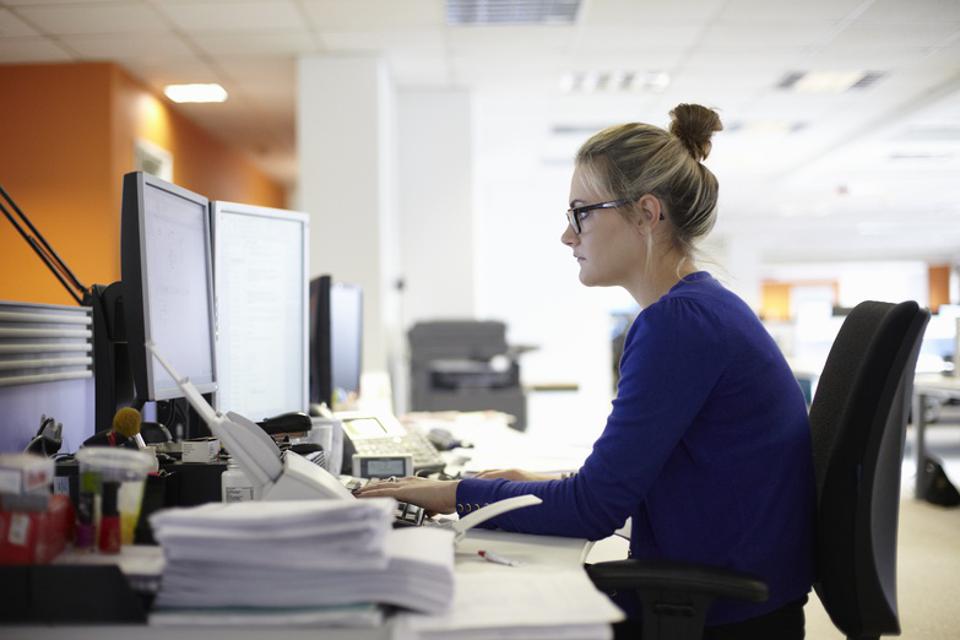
x: 707, y: 447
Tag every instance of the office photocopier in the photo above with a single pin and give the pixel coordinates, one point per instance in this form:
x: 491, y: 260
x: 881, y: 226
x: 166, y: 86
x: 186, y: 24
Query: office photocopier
x: 465, y: 365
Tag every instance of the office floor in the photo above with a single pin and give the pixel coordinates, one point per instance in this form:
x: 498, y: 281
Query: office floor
x: 928, y: 562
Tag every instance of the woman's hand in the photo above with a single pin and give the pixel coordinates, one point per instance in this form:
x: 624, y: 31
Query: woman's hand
x: 435, y: 496
x: 515, y: 474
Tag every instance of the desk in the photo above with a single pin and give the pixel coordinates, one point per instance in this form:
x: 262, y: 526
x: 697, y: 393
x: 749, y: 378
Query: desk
x: 546, y: 560
x: 928, y: 386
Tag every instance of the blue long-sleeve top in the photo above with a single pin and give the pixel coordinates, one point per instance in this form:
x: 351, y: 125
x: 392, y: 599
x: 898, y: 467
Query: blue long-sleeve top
x: 707, y: 448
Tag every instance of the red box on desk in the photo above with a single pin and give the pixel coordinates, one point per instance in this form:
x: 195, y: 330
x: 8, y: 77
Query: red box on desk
x: 36, y: 537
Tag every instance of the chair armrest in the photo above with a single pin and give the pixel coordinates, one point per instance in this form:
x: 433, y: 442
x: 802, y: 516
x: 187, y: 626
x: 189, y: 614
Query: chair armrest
x: 676, y: 576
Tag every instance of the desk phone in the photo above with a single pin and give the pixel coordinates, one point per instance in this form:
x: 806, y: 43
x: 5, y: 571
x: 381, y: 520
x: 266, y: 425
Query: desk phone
x: 380, y: 434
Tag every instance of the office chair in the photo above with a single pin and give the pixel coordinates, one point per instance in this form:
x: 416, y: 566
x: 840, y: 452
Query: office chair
x: 858, y: 421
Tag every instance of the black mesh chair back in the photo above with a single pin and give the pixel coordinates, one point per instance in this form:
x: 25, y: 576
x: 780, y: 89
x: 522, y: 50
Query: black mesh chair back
x: 858, y: 419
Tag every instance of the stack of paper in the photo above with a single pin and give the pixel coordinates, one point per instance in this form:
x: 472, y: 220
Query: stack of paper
x: 298, y: 561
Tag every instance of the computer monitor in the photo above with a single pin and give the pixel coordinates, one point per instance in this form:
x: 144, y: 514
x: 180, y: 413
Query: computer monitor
x: 261, y: 260
x: 336, y: 344
x: 167, y: 285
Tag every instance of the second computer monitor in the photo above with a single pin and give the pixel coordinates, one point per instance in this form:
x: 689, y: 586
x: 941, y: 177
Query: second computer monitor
x: 260, y: 270
x: 167, y: 284
x: 336, y: 345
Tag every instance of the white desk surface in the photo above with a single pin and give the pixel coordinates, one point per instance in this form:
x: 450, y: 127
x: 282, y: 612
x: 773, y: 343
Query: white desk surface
x: 933, y: 383
x: 539, y: 552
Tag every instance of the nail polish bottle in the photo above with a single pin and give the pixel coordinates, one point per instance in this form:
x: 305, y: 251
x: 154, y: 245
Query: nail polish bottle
x: 110, y: 519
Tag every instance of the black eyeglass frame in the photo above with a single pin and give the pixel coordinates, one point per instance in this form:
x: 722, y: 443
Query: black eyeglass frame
x: 573, y: 213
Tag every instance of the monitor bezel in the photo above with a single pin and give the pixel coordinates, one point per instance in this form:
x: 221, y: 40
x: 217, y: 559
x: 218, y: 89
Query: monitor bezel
x: 219, y: 208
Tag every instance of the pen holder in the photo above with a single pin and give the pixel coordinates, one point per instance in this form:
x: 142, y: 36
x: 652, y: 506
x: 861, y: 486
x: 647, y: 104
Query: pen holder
x: 122, y: 472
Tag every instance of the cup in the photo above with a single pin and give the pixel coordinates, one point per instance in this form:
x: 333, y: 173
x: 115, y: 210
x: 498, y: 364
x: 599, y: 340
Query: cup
x: 126, y: 467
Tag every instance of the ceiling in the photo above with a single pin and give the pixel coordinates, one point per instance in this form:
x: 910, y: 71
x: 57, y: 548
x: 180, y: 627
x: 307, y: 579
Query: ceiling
x: 880, y: 161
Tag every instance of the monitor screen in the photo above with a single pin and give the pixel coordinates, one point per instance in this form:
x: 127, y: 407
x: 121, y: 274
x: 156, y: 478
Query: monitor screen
x: 167, y: 283
x: 260, y: 285
x: 336, y: 341
x: 346, y: 340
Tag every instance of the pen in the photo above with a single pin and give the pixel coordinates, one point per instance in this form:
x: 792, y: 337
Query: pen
x: 489, y: 556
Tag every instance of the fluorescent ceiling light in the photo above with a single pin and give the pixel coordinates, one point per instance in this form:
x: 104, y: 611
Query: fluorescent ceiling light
x: 765, y: 127
x: 195, y: 92
x: 616, y: 81
x: 828, y: 81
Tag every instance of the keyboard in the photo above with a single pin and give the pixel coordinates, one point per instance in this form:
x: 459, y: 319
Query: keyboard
x: 405, y: 515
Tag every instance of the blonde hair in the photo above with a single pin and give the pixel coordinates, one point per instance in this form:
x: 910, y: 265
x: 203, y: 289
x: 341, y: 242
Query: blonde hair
x: 630, y: 160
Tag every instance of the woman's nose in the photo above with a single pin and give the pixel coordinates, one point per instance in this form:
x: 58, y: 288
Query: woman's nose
x: 569, y: 236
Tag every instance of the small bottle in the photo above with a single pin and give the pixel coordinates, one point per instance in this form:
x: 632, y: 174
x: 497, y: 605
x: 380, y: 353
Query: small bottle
x: 235, y: 485
x: 110, y: 519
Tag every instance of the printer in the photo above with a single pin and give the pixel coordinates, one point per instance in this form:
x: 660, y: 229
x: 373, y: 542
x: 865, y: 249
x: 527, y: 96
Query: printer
x: 465, y: 365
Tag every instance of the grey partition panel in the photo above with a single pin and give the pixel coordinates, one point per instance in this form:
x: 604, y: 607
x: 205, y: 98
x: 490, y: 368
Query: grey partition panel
x: 46, y: 368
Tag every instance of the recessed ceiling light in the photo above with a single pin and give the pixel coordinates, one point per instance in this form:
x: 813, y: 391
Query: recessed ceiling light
x: 828, y: 81
x: 616, y: 81
x: 765, y: 127
x: 195, y: 92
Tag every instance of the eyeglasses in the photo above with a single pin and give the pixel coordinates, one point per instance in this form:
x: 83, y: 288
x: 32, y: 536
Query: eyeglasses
x: 576, y: 215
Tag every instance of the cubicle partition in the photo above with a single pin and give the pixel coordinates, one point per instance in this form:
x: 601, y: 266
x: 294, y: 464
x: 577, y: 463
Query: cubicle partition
x: 46, y: 367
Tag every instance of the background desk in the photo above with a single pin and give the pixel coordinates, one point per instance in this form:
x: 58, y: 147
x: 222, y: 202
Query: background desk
x: 928, y: 386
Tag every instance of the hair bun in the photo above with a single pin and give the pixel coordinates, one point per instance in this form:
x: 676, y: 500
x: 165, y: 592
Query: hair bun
x: 694, y: 125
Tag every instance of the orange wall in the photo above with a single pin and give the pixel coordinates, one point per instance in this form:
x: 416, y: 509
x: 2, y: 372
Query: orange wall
x: 939, y: 279
x: 68, y: 135
x: 775, y: 296
x: 55, y: 163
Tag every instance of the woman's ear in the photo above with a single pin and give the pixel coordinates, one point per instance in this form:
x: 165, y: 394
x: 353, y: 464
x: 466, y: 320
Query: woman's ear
x: 650, y: 209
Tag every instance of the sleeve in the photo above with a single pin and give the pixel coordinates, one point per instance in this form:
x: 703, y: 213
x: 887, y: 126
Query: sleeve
x: 672, y: 360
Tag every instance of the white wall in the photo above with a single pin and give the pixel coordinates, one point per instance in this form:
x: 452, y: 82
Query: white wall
x: 435, y: 181
x: 346, y: 153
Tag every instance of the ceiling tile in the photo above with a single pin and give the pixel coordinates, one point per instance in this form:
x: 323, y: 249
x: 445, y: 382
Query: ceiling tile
x: 159, y: 72
x: 617, y: 13
x: 235, y: 16
x: 743, y: 36
x: 744, y: 61
x: 275, y: 69
x: 506, y: 71
x: 779, y: 12
x: 279, y: 43
x: 536, y: 42
x: 20, y: 3
x: 898, y: 12
x: 360, y: 15
x: 909, y: 34
x: 408, y: 39
x: 94, y: 18
x: 128, y: 46
x: 670, y: 36
x: 889, y: 58
x: 15, y: 50
x: 11, y: 26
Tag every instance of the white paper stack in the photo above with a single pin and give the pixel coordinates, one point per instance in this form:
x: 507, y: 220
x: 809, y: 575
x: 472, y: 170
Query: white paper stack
x: 240, y: 560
